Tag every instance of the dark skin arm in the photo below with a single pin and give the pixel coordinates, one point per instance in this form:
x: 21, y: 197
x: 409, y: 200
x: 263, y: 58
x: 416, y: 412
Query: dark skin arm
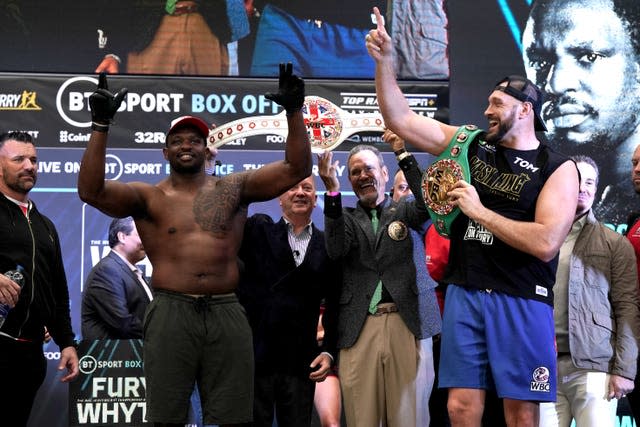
x: 112, y: 197
x: 121, y: 199
x: 273, y: 179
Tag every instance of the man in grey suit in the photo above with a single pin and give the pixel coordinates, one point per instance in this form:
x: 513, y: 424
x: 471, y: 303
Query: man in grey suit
x: 116, y: 296
x: 379, y: 325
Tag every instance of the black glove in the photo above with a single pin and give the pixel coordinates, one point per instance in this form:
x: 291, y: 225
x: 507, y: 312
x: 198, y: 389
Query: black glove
x: 290, y: 90
x: 104, y: 104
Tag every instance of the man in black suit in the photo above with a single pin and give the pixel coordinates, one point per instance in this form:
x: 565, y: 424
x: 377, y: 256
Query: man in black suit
x: 286, y: 274
x: 116, y: 295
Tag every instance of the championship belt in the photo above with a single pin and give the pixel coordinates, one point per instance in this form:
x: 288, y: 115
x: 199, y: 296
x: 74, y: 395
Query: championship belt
x: 450, y: 167
x: 327, y: 125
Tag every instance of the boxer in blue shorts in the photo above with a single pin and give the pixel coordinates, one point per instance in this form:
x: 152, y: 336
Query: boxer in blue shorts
x: 514, y: 215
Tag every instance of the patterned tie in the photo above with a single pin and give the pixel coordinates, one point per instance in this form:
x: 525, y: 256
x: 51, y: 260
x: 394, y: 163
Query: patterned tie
x: 377, y: 294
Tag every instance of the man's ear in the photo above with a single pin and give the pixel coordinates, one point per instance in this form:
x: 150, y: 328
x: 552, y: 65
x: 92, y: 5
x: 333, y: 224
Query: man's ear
x: 527, y: 108
x: 385, y: 173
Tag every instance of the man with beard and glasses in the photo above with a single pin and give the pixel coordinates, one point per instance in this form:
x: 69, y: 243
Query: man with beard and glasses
x: 514, y: 216
x: 30, y: 240
x: 191, y: 226
x: 585, y: 56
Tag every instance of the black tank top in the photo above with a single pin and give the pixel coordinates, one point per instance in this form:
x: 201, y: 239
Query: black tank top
x: 508, y: 182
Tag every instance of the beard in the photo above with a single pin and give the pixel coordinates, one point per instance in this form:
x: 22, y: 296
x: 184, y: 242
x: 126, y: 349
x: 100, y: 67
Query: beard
x: 21, y: 187
x: 496, y: 137
x: 504, y: 126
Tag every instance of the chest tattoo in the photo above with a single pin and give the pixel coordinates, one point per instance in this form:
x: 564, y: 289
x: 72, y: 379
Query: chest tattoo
x: 216, y: 205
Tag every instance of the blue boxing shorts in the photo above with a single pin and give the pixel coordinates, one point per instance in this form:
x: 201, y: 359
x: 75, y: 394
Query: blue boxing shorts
x: 492, y: 340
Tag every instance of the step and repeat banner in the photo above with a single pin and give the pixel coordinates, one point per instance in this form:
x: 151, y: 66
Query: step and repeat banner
x: 55, y: 110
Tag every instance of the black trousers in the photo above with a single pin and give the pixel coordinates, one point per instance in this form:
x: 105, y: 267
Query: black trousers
x: 22, y: 369
x: 290, y: 396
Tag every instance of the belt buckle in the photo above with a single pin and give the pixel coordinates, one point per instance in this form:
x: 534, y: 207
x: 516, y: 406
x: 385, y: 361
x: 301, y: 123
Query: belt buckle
x: 385, y: 310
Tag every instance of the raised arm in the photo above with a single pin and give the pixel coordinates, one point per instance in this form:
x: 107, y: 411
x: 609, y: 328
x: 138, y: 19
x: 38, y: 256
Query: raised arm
x: 423, y: 132
x: 111, y: 197
x: 275, y: 178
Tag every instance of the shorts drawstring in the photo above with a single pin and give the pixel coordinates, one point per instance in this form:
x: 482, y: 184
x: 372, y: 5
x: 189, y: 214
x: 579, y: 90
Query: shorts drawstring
x: 201, y: 305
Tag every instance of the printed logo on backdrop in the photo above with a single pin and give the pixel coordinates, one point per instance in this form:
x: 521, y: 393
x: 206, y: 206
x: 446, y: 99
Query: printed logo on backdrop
x: 425, y: 104
x: 111, y: 387
x: 25, y: 101
x: 72, y: 101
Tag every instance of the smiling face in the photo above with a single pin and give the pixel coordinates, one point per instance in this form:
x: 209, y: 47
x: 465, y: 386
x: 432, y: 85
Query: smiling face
x: 185, y: 150
x: 580, y: 53
x: 588, y: 187
x: 501, y: 114
x: 300, y: 200
x: 18, y: 168
x: 368, y: 177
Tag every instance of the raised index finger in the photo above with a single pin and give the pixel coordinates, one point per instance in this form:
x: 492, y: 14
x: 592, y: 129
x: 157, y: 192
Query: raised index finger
x: 102, y: 81
x: 379, y: 20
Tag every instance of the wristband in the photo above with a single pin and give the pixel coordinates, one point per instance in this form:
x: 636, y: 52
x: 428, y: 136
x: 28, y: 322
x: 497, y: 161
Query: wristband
x: 333, y: 193
x: 98, y: 127
x: 400, y: 151
x: 114, y: 56
x: 403, y: 155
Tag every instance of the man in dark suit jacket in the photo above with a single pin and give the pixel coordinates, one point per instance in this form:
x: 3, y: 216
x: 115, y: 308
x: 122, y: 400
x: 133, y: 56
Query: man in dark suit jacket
x: 379, y: 324
x: 285, y: 276
x: 116, y: 297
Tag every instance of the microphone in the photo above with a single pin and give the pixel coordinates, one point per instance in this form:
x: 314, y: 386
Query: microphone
x: 296, y: 253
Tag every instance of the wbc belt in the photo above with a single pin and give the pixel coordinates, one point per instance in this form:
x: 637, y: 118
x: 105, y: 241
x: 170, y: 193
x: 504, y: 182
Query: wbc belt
x: 327, y: 125
x: 450, y: 167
